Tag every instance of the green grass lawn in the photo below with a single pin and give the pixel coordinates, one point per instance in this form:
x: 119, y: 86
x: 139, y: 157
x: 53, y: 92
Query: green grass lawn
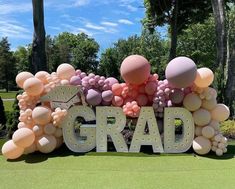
x: 63, y: 169
x: 5, y: 95
x: 8, y: 105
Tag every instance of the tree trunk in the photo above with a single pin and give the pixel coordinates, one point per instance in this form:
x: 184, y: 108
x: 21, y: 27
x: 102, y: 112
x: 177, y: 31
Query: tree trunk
x: 38, y: 48
x: 174, y: 31
x: 221, y: 44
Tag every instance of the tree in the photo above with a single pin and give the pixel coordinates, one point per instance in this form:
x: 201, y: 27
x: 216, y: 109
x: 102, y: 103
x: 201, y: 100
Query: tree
x: 221, y: 42
x: 198, y: 43
x: 7, y: 65
x: 230, y: 76
x: 22, y: 57
x: 178, y: 14
x: 2, y: 113
x: 78, y: 50
x: 38, y: 46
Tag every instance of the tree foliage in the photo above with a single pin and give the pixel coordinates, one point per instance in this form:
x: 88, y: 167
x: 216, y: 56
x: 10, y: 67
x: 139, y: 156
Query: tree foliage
x: 7, y: 66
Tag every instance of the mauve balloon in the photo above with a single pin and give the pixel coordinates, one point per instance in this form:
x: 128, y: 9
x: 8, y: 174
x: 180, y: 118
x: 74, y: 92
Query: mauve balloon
x: 181, y: 72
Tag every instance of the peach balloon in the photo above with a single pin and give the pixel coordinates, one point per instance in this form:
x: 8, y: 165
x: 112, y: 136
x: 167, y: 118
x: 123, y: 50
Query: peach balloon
x: 23, y: 137
x: 32, y: 148
x: 135, y: 69
x: 41, y: 115
x: 220, y: 112
x: 11, y: 151
x: 59, y: 142
x: 198, y: 131
x: 117, y: 101
x: 201, y: 117
x: 201, y: 145
x: 192, y: 102
x: 49, y: 129
x: 38, y: 130
x: 117, y: 89
x: 58, y: 132
x: 142, y: 100
x: 46, y: 143
x: 209, y: 104
x: 42, y: 75
x: 208, y: 132
x: 22, y: 77
x: 33, y: 86
x: 204, y: 77
x: 65, y: 71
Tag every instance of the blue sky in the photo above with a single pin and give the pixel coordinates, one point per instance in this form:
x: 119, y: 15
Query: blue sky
x: 104, y: 20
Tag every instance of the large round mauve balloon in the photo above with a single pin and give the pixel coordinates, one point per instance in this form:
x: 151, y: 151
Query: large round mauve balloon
x: 93, y: 97
x: 135, y: 69
x: 181, y: 72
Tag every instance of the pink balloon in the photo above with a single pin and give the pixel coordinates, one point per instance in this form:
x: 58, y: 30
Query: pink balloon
x: 41, y: 115
x: 65, y: 71
x: 75, y: 80
x: 33, y: 86
x: 135, y: 69
x: 117, y: 89
x: 142, y: 100
x: 177, y: 96
x: 117, y: 101
x: 111, y: 81
x: 22, y: 77
x: 150, y: 88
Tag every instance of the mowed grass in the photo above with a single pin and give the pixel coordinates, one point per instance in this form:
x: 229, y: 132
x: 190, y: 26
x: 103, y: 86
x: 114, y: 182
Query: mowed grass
x: 8, y: 105
x: 64, y: 169
x: 9, y: 95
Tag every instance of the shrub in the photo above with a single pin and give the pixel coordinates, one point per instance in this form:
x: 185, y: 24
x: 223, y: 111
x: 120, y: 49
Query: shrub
x: 227, y: 128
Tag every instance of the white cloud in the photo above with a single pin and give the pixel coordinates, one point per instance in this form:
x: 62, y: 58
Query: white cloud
x: 112, y: 24
x: 13, y: 29
x: 131, y: 8
x: 125, y: 21
x: 79, y: 3
x: 94, y: 27
x: 100, y: 28
x: 76, y: 30
x: 9, y: 8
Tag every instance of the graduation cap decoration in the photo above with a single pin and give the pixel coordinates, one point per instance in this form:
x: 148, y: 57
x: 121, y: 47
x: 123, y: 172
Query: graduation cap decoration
x: 64, y: 96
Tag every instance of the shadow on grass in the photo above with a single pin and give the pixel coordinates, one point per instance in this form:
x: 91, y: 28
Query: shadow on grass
x: 146, y: 151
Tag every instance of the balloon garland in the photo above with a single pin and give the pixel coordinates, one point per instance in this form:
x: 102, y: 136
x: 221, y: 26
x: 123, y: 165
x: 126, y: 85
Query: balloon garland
x: 184, y: 86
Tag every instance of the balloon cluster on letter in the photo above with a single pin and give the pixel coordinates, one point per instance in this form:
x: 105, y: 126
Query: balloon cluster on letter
x: 184, y: 86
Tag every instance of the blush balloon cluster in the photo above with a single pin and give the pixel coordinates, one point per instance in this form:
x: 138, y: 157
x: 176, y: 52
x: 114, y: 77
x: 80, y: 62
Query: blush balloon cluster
x: 184, y: 86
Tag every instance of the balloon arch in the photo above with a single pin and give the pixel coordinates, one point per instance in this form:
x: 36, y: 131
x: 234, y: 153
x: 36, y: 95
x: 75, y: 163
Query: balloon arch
x: 39, y: 127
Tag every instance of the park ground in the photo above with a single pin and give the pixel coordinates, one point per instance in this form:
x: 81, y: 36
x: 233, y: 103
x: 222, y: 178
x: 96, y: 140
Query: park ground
x: 64, y: 169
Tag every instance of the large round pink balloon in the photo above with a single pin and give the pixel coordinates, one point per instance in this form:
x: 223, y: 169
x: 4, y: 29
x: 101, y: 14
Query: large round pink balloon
x: 65, y: 71
x: 46, y: 143
x: 11, y: 151
x: 41, y: 115
x: 33, y: 86
x: 93, y: 97
x: 135, y: 69
x: 181, y: 72
x: 23, y: 137
x: 22, y: 77
x: 204, y: 77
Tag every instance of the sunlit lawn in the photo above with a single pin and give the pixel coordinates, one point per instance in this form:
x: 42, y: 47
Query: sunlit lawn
x: 9, y: 95
x: 63, y: 169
